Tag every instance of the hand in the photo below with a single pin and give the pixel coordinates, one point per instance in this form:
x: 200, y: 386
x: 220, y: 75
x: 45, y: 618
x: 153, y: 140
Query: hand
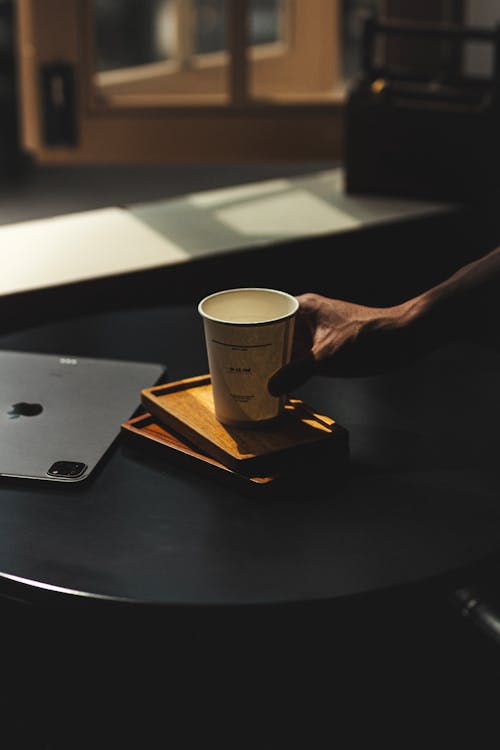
x: 333, y: 337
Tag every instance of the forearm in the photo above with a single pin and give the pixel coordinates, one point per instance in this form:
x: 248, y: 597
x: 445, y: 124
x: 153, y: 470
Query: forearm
x: 479, y: 280
x: 465, y: 303
x: 343, y: 338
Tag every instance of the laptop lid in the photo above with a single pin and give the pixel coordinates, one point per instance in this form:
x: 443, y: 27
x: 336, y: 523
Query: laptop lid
x: 59, y: 414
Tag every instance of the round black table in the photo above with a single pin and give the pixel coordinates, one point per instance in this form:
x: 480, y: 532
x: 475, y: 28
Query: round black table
x: 420, y: 500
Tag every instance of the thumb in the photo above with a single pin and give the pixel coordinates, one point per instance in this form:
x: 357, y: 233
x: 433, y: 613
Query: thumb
x: 292, y: 375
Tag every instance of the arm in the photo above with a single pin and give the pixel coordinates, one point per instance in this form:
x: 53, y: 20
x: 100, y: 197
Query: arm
x: 334, y: 337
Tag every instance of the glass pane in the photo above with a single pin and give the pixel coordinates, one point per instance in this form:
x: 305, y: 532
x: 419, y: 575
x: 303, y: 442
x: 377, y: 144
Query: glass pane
x: 210, y: 26
x: 479, y: 59
x: 265, y: 21
x: 130, y: 33
x: 354, y: 13
x: 146, y: 51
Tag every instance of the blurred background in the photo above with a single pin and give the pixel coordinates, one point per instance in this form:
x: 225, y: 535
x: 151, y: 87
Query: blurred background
x: 121, y: 81
x: 193, y: 83
x: 154, y: 98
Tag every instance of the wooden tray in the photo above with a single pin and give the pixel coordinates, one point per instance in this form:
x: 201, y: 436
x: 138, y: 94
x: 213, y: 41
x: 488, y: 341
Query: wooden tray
x: 145, y: 428
x: 186, y: 408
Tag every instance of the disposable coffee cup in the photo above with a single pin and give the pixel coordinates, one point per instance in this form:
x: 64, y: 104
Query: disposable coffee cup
x: 248, y: 333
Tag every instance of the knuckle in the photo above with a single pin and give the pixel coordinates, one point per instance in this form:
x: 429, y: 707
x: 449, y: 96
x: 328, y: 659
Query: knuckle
x: 309, y: 299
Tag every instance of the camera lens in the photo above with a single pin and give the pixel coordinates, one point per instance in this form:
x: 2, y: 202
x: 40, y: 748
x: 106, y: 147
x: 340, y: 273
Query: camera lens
x: 67, y: 469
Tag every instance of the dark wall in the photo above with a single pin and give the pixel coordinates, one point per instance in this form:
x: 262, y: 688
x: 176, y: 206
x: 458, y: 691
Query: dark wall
x: 11, y: 158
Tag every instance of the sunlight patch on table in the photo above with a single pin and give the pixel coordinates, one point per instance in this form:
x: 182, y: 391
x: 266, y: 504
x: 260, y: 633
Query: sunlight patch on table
x: 77, y: 247
x: 292, y: 213
x: 214, y: 198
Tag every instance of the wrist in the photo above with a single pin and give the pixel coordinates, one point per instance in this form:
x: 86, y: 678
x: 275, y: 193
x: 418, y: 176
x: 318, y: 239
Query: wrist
x: 410, y: 312
x: 432, y: 317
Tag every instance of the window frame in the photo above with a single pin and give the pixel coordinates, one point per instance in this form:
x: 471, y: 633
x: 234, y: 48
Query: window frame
x: 209, y: 64
x: 287, y: 65
x: 51, y: 30
x: 305, y: 126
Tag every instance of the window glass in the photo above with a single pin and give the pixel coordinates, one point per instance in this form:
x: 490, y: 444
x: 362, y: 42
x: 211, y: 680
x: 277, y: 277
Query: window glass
x: 178, y: 48
x: 130, y: 33
x: 210, y: 26
x: 147, y: 52
x: 265, y: 16
x: 479, y: 59
x: 354, y: 13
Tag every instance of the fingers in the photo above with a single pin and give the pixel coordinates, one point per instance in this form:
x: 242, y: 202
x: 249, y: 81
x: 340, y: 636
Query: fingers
x: 303, y: 364
x: 292, y: 375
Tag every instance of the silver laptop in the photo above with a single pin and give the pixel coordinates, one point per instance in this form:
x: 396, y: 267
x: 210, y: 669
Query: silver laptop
x: 60, y: 414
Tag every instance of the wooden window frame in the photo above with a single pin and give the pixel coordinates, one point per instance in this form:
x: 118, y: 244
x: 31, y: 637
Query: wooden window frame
x: 275, y: 72
x: 309, y: 127
x: 272, y: 61
x: 305, y: 125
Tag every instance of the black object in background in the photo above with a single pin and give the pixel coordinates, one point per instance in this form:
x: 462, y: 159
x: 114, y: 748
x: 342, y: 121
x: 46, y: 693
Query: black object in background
x: 423, y: 131
x: 12, y: 159
x: 57, y: 82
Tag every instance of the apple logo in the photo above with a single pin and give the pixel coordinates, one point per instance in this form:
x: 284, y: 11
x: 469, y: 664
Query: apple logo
x: 23, y: 409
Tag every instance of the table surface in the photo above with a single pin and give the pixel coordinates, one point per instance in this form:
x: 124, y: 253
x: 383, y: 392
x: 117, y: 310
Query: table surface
x: 420, y: 499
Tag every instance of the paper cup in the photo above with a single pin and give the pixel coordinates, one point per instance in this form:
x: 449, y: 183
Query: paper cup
x: 248, y: 333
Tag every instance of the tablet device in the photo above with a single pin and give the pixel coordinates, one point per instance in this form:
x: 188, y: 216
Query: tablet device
x: 59, y: 414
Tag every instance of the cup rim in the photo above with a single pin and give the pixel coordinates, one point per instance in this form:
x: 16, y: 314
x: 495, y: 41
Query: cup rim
x: 248, y: 289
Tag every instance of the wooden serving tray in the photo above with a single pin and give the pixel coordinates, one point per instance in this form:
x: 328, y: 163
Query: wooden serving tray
x: 145, y: 428
x: 186, y: 407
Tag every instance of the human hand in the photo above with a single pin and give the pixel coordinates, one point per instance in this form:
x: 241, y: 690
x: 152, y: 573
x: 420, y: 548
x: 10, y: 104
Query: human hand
x: 334, y: 337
